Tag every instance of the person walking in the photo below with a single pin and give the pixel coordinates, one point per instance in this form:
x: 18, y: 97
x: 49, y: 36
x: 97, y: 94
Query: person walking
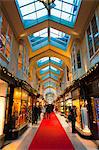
x: 48, y: 111
x: 73, y: 118
x: 34, y: 114
x: 39, y: 112
x: 44, y: 112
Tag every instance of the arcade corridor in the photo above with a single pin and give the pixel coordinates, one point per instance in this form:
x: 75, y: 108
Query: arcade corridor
x: 49, y: 60
x: 51, y: 134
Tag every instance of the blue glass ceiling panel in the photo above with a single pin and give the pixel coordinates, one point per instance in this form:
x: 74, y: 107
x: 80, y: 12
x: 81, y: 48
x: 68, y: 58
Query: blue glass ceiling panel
x: 47, y: 60
x: 56, y: 61
x: 50, y: 69
x: 49, y: 84
x: 44, y: 70
x: 42, y: 61
x: 65, y: 11
x: 45, y: 77
x: 50, y: 76
x: 38, y: 39
x: 33, y: 12
x: 56, y: 38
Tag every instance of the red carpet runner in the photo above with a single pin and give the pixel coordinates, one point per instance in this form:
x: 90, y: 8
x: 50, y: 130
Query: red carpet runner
x: 51, y: 136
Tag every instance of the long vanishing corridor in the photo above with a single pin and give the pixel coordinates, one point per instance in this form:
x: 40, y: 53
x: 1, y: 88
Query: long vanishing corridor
x: 49, y: 74
x: 51, y: 136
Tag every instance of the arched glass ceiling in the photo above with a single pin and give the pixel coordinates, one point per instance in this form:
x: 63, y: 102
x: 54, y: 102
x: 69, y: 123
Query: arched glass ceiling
x: 33, y: 12
x: 50, y: 75
x: 49, y: 36
x: 49, y: 84
x: 47, y: 60
x: 49, y: 69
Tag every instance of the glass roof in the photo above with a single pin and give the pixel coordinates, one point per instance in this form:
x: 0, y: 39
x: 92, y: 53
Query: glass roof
x: 49, y: 84
x: 47, y: 60
x: 49, y: 36
x: 50, y: 69
x: 33, y: 12
x: 50, y: 75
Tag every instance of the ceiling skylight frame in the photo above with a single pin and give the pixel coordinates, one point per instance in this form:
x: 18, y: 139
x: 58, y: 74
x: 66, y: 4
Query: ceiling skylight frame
x: 69, y: 23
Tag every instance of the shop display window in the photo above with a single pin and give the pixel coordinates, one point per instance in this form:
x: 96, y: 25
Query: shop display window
x: 84, y: 116
x: 7, y: 105
x: 3, y: 93
x: 68, y: 106
x: 78, y: 118
x: 29, y: 117
x: 95, y: 109
x: 19, y: 111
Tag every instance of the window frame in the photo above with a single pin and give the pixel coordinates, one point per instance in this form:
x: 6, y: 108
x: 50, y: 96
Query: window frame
x: 93, y: 45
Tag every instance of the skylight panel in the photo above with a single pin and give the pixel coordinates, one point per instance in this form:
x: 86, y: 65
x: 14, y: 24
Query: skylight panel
x: 43, y: 31
x: 24, y: 2
x: 27, y: 9
x: 44, y: 69
x: 39, y: 5
x: 54, y: 77
x: 54, y: 31
x: 63, y: 11
x: 41, y: 13
x: 44, y: 35
x: 43, y: 59
x: 58, y: 4
x: 36, y: 34
x: 67, y: 8
x: 56, y: 12
x: 45, y: 77
x: 53, y: 68
x: 49, y: 84
x: 69, y: 1
x: 55, y: 59
x: 30, y: 17
x: 66, y: 16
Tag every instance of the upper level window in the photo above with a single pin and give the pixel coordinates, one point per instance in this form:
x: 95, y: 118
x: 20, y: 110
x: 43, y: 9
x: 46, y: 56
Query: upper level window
x: 95, y: 33
x: 89, y: 36
x: 93, y: 36
x: 78, y: 59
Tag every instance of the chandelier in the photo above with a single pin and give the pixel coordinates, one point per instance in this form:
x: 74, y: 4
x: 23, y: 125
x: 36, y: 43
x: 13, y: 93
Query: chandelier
x: 48, y: 3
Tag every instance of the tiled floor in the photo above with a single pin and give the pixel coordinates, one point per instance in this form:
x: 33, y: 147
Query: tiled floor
x: 24, y: 141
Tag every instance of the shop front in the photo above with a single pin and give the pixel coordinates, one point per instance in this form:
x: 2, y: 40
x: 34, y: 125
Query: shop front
x: 93, y: 93
x: 19, y: 112
x: 90, y: 105
x: 67, y: 104
x: 82, y: 119
x: 3, y: 96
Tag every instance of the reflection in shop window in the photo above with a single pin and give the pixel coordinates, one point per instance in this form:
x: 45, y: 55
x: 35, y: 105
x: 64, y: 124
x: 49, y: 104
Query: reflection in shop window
x: 95, y: 33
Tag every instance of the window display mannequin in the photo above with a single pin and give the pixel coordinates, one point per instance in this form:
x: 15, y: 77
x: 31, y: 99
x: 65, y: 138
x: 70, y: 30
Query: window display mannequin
x: 84, y: 116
